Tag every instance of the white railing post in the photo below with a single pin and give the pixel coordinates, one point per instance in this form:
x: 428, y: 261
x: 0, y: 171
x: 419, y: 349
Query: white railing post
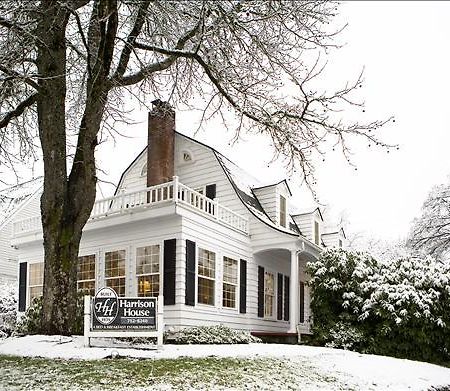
x: 216, y: 208
x: 175, y: 188
x: 87, y: 320
x: 160, y: 322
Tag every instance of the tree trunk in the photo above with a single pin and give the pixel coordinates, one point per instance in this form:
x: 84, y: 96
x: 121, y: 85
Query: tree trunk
x: 67, y: 200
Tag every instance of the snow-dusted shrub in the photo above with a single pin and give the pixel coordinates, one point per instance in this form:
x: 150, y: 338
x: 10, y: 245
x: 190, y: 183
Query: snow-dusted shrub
x: 8, y: 308
x: 211, y: 335
x: 345, y: 336
x: 29, y: 323
x: 399, y: 308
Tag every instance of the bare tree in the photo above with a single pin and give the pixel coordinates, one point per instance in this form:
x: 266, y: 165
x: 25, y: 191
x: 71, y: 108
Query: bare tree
x: 64, y: 65
x: 430, y: 232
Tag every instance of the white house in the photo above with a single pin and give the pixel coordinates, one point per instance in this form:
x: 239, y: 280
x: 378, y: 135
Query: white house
x: 187, y: 223
x: 16, y: 202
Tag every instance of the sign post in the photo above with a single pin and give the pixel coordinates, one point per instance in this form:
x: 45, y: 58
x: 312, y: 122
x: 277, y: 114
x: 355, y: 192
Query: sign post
x: 108, y: 316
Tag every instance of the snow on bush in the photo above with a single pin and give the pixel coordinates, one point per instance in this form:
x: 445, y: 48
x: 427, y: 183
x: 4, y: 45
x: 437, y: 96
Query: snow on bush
x: 211, y: 335
x: 30, y: 322
x: 8, y: 308
x: 400, y: 308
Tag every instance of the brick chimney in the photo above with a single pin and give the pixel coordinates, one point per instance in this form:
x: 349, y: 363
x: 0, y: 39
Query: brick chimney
x: 161, y: 143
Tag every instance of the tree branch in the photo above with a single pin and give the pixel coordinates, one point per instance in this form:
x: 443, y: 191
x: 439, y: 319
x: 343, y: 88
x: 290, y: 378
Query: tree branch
x: 18, y: 110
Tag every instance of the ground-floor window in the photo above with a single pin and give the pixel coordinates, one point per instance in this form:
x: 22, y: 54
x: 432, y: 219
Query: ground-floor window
x: 269, y: 294
x: 86, y: 274
x: 230, y: 281
x: 147, y: 270
x: 206, y: 276
x: 115, y: 271
x: 36, y: 279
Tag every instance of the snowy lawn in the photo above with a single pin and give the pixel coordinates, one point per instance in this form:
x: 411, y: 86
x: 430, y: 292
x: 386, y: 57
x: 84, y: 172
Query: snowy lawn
x: 68, y: 365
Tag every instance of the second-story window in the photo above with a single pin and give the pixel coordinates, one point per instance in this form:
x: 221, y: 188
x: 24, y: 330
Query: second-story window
x: 115, y: 271
x: 230, y: 280
x: 206, y: 276
x: 147, y: 270
x: 86, y: 274
x: 316, y: 233
x: 282, y: 211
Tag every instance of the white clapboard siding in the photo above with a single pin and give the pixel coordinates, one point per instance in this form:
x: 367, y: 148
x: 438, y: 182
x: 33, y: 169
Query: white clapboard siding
x: 8, y: 255
x: 305, y: 224
x: 267, y: 197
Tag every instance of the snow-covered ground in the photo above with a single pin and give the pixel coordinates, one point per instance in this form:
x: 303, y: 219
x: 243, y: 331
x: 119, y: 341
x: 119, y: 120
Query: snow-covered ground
x: 358, y: 371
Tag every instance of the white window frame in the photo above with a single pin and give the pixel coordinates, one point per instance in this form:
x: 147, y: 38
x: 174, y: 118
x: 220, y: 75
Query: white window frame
x: 236, y: 285
x: 160, y: 266
x: 274, y: 297
x: 198, y: 276
x: 29, y: 280
x: 106, y: 279
x: 317, y: 239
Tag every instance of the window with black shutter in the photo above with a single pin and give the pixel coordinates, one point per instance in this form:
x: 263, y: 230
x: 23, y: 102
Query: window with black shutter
x: 243, y: 287
x: 280, y: 297
x: 169, y: 271
x: 260, y: 291
x: 190, y: 273
x: 22, y: 286
x: 302, y: 302
x: 286, y: 297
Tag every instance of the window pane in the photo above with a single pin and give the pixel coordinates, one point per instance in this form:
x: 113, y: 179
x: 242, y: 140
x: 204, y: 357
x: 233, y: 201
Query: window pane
x: 229, y: 296
x: 147, y: 260
x: 86, y: 267
x: 206, y: 263
x: 148, y: 285
x: 269, y: 291
x: 118, y: 284
x: 282, y: 211
x: 115, y: 263
x: 35, y: 292
x: 87, y: 287
x: 205, y: 291
x: 36, y: 273
x: 316, y: 233
x: 229, y: 270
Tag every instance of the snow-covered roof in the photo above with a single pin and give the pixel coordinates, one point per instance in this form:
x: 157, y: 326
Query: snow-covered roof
x: 12, y: 198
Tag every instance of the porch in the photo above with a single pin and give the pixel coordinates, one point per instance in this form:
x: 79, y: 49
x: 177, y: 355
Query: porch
x: 153, y: 197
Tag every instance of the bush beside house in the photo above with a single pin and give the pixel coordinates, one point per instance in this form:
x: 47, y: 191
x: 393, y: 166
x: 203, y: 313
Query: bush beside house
x: 399, y: 308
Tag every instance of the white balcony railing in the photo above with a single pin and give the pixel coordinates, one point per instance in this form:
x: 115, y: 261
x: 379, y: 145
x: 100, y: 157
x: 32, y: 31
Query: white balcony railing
x: 146, y: 198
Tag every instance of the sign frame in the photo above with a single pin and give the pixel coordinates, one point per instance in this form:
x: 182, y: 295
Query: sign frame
x: 90, y: 333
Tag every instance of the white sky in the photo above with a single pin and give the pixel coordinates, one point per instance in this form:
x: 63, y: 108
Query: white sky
x: 404, y: 49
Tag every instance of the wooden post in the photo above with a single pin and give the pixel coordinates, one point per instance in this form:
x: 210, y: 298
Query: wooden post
x: 87, y: 320
x: 175, y: 189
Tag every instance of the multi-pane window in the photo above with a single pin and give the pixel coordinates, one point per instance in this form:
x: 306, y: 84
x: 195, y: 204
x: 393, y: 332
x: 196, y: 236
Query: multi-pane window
x: 147, y: 270
x: 316, y: 233
x: 269, y: 294
x: 282, y: 211
x: 36, y: 279
x: 206, y: 276
x: 230, y: 280
x: 340, y: 243
x: 86, y: 274
x: 115, y: 271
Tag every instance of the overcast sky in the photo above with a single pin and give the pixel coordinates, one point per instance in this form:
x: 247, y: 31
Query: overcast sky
x: 404, y: 48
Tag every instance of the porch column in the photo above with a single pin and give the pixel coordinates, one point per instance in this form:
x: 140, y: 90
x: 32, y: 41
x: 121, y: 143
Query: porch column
x: 293, y: 293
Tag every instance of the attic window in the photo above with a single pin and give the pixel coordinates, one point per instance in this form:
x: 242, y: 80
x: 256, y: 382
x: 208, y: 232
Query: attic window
x: 316, y: 233
x: 282, y: 211
x: 144, y: 170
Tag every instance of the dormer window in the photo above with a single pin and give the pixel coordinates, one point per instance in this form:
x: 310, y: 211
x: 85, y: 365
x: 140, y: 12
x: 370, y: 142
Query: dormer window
x: 282, y: 211
x: 316, y: 233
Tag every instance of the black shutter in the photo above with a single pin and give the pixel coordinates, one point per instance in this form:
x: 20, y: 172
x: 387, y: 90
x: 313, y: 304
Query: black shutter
x: 190, y: 273
x: 260, y: 291
x: 243, y: 287
x: 169, y: 271
x: 280, y: 297
x: 302, y: 302
x: 286, y: 297
x: 22, y: 286
x: 211, y: 191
